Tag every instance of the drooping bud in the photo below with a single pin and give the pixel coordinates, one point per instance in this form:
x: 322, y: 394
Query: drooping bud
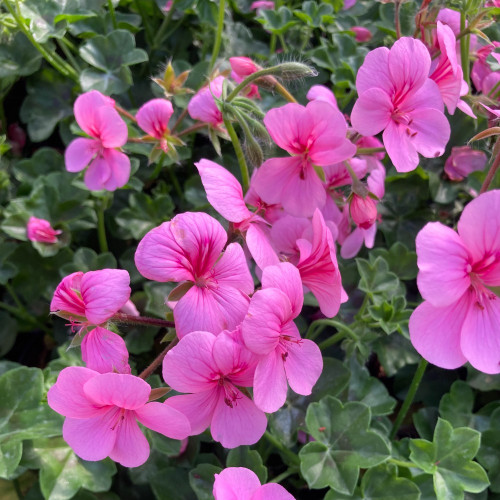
x: 463, y: 161
x: 361, y: 34
x: 41, y: 231
x: 363, y: 211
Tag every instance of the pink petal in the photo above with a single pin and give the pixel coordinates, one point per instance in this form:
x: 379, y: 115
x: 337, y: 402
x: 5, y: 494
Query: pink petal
x: 202, y: 105
x: 104, y: 292
x: 189, y: 366
x: 374, y: 72
x: 111, y: 130
x: 79, y: 153
x: 269, y: 310
x: 164, y: 419
x: 243, y: 424
x: 131, y: 448
x: 259, y: 244
x: 285, y: 277
x: 480, y: 340
x: 232, y: 270
x: 270, y: 387
x: 352, y: 244
x: 442, y: 260
x: 272, y: 491
x: 435, y: 332
x: 286, y: 231
x: 372, y: 112
x: 67, y: 296
x: 323, y: 94
x: 235, y: 483
x: 303, y: 365
x: 198, y: 408
x: 119, y: 169
x: 92, y: 438
x: 66, y: 396
x: 427, y: 96
x: 86, y: 106
x: 98, y: 173
x: 432, y: 132
x: 400, y: 149
x: 122, y: 390
x: 105, y: 351
x: 224, y: 192
x: 153, y: 117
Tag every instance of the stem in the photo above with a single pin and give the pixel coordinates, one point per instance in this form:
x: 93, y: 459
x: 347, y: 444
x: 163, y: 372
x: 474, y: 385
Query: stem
x: 164, y: 25
x: 124, y: 112
x: 14, y: 296
x: 492, y: 92
x: 68, y: 54
x: 282, y: 448
x: 128, y: 319
x: 175, y: 182
x: 464, y: 48
x: 397, y: 22
x: 369, y: 151
x: 417, y: 378
x: 283, y: 43
x: 112, y: 15
x: 17, y: 487
x: 249, y: 79
x: 332, y: 340
x: 192, y: 128
x: 239, y: 154
x: 493, y: 169
x: 101, y: 229
x: 147, y: 27
x: 158, y: 360
x: 284, y: 93
x: 272, y: 44
x: 51, y: 57
x: 284, y: 475
x: 401, y: 463
x: 218, y: 35
x: 179, y: 120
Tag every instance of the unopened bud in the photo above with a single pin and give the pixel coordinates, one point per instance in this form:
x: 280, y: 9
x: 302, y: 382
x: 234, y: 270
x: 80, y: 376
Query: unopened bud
x: 294, y: 70
x: 363, y: 211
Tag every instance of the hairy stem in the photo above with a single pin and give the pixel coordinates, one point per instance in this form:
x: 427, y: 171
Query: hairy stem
x: 397, y: 22
x: 218, y: 35
x: 464, y: 47
x: 245, y: 178
x: 101, y: 229
x: 128, y: 319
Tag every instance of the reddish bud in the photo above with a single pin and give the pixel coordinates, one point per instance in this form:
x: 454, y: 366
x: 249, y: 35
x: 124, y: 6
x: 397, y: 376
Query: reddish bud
x: 363, y: 211
x: 361, y: 34
x: 40, y: 230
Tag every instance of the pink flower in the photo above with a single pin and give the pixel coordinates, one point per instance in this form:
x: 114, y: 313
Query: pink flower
x: 101, y: 413
x: 463, y: 161
x: 211, y: 368
x: 361, y: 34
x: 214, y: 292
x: 202, y: 105
x: 153, y: 118
x: 323, y: 94
x: 313, y: 135
x: 262, y: 4
x: 243, y: 67
x: 396, y: 96
x: 41, y: 231
x: 269, y: 331
x: 239, y: 483
x: 90, y: 299
x: 225, y: 194
x: 363, y: 211
x: 108, y: 168
x: 459, y: 320
x: 482, y: 76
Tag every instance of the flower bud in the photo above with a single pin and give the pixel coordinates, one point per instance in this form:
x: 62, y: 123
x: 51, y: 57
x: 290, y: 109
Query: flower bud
x: 41, y: 231
x: 361, y: 34
x: 463, y: 161
x: 363, y: 211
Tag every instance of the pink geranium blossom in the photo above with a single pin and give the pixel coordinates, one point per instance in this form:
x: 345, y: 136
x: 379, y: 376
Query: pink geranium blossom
x: 202, y: 105
x: 214, y: 292
x: 363, y: 211
x: 88, y: 300
x: 323, y: 94
x: 239, y: 483
x: 397, y: 97
x: 153, y: 118
x: 41, y: 231
x: 108, y: 168
x: 269, y: 331
x: 482, y: 76
x: 102, y: 411
x: 211, y: 368
x: 313, y: 135
x: 262, y: 4
x: 241, y: 68
x: 459, y: 320
x: 361, y: 34
x: 463, y: 161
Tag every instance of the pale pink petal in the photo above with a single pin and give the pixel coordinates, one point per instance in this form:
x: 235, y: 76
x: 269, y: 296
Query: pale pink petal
x: 92, y: 438
x: 131, y: 448
x: 372, y: 112
x: 98, y: 173
x: 374, y: 72
x: 430, y: 132
x: 41, y: 230
x: 198, y: 408
x: 269, y: 310
x: 323, y: 94
x: 104, y: 292
x: 232, y: 270
x: 86, y: 106
x: 67, y: 296
x: 285, y: 277
x: 352, y: 244
x: 79, y: 153
x: 270, y: 387
x: 235, y: 483
x: 258, y: 240
x: 189, y: 366
x: 122, y: 390
x: 164, y: 419
x: 153, y: 117
x: 480, y: 340
x: 286, y: 231
x: 111, y: 130
x: 241, y: 424
x: 66, y: 396
x: 427, y: 96
x: 272, y: 491
x: 105, y: 351
x: 400, y: 149
x: 119, y: 169
x: 224, y: 192
x: 443, y: 263
x: 202, y: 105
x: 465, y: 108
x: 435, y: 332
x: 303, y: 365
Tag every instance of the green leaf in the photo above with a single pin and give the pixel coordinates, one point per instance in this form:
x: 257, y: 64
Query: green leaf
x: 489, y: 452
x: 18, y: 57
x: 44, y: 161
x: 456, y: 406
x: 10, y: 456
x: 343, y: 445
x: 47, y: 103
x: 157, y: 294
x: 277, y: 21
x: 449, y: 459
x: 7, y: 269
x: 243, y: 456
x: 86, y: 259
x: 402, y: 261
x: 8, y: 332
x: 62, y: 473
x: 202, y: 480
x: 377, y: 279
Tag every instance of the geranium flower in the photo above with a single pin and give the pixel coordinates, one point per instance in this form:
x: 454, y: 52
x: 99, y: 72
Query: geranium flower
x: 41, y: 231
x: 153, y: 118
